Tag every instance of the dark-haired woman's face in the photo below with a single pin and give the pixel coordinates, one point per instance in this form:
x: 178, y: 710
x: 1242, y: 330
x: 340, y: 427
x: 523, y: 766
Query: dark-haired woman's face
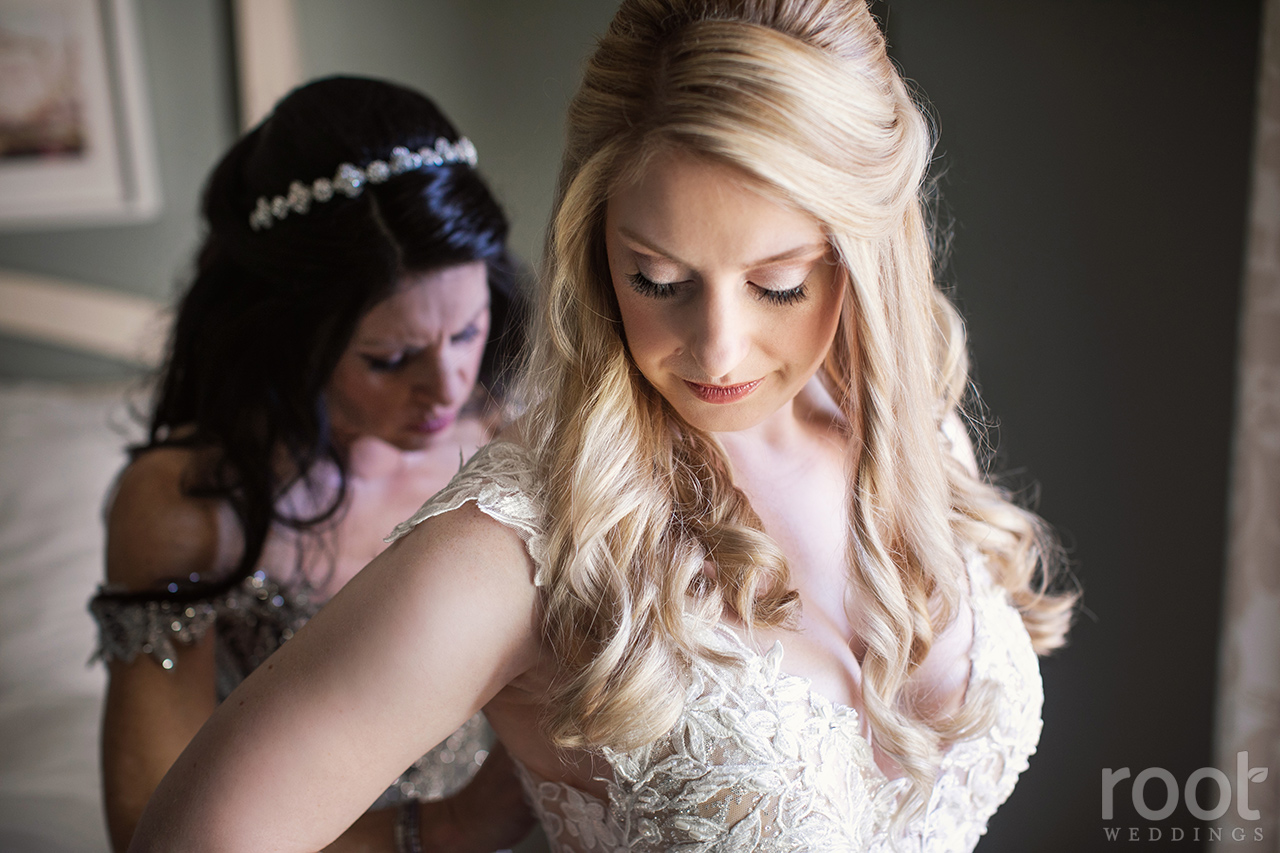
x: 413, y: 360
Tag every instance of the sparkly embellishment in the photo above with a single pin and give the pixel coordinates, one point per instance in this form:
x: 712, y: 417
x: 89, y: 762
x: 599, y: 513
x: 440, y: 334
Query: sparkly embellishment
x: 322, y: 189
x: 252, y: 620
x: 261, y: 216
x: 403, y: 160
x: 349, y: 179
x: 377, y: 172
x: 299, y: 197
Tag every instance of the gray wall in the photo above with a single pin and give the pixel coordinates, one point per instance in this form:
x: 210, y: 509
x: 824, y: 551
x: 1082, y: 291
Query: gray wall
x: 1095, y: 157
x: 503, y: 70
x: 189, y: 75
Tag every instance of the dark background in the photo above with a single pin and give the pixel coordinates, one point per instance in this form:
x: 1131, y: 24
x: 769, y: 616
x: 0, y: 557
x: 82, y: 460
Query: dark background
x: 1094, y: 156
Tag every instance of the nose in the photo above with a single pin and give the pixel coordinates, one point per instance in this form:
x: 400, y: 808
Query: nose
x: 441, y: 381
x: 721, y: 333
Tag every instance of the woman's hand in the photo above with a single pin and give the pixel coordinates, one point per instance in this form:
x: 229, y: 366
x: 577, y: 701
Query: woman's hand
x: 489, y: 814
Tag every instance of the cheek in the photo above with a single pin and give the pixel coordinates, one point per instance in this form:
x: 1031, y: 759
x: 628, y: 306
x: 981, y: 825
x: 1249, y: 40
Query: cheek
x: 357, y: 396
x: 647, y: 331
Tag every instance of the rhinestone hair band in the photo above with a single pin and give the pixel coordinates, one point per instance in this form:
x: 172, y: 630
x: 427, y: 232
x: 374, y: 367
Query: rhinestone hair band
x: 350, y: 180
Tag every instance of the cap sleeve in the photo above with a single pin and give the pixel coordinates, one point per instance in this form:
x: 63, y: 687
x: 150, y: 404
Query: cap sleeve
x: 500, y: 480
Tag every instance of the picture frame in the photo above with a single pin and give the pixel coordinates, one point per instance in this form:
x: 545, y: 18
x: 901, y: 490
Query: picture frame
x: 76, y: 140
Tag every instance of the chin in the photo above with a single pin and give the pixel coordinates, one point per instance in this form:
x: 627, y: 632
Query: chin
x: 733, y: 417
x: 407, y: 441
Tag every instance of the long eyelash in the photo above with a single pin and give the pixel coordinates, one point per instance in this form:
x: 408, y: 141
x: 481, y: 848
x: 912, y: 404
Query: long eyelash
x: 785, y: 297
x: 646, y: 286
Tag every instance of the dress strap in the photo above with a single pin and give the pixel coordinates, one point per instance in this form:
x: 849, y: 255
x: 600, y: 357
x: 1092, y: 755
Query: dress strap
x: 500, y: 479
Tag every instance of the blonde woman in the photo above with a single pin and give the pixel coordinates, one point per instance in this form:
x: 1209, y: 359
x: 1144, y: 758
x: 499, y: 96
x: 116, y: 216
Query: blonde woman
x: 734, y: 581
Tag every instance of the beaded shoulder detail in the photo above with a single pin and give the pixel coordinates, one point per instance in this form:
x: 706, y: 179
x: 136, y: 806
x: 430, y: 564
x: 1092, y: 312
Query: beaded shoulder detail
x: 499, y: 479
x: 251, y: 621
x: 264, y: 612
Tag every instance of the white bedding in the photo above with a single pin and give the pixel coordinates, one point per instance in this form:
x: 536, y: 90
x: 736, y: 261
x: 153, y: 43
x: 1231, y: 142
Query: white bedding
x: 60, y: 447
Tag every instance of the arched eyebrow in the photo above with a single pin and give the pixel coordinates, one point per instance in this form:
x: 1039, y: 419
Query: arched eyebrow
x: 803, y: 251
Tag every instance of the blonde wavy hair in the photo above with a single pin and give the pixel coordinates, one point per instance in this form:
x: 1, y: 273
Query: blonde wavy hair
x: 800, y: 95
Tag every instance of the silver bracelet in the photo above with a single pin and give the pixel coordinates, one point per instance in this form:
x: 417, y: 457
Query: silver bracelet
x: 409, y: 827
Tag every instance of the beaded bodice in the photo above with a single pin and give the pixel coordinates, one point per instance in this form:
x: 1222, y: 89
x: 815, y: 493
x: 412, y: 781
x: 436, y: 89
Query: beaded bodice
x: 758, y: 761
x: 250, y: 621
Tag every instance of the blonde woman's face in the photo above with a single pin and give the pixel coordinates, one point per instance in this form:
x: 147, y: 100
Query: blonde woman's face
x: 729, y: 298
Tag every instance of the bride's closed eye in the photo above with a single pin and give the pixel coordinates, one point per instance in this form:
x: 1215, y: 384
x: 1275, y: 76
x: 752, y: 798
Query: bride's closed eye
x: 646, y: 286
x: 790, y: 296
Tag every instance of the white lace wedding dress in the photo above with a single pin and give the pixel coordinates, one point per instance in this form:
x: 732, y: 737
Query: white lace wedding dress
x: 757, y: 760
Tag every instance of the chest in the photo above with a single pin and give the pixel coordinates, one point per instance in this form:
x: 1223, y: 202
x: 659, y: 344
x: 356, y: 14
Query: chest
x: 331, y: 553
x: 803, y: 507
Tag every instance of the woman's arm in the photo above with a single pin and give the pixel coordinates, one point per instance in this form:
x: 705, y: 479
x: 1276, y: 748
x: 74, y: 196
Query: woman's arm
x: 154, y: 533
x: 419, y: 641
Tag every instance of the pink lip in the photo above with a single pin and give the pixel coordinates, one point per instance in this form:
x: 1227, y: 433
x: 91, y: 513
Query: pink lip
x: 430, y: 426
x: 722, y: 393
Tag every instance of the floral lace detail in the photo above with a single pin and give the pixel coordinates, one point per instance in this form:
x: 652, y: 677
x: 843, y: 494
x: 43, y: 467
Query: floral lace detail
x: 499, y: 479
x: 978, y: 775
x: 252, y: 620
x: 757, y: 761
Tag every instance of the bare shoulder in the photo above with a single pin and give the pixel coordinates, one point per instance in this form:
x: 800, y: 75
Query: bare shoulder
x: 459, y: 581
x: 155, y: 531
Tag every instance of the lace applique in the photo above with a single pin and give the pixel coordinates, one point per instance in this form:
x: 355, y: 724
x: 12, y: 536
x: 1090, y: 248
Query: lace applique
x: 978, y: 775
x: 499, y: 479
x: 758, y: 761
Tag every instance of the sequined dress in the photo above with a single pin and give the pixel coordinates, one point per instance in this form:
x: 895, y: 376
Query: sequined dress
x: 757, y: 760
x: 250, y: 621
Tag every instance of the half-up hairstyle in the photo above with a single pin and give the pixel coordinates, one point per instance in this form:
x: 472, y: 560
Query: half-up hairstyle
x: 800, y: 96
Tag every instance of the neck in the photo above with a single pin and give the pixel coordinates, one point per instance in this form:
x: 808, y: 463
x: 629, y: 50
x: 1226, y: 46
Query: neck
x: 370, y: 458
x: 779, y: 431
x: 791, y: 425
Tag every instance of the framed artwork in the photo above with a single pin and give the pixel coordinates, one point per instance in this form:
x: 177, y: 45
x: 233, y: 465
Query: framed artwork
x: 75, y: 131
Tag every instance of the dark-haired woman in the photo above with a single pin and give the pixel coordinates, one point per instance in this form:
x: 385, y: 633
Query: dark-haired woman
x: 335, y: 357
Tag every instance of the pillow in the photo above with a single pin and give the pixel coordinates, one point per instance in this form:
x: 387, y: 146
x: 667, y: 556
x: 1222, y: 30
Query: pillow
x: 60, y: 449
